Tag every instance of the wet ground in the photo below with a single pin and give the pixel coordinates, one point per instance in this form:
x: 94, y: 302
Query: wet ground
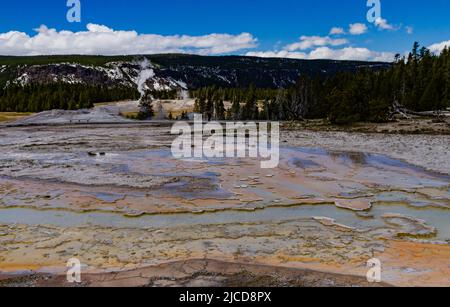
x: 114, y: 197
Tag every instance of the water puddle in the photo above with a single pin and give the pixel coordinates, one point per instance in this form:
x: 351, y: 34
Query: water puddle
x: 361, y: 159
x: 370, y: 220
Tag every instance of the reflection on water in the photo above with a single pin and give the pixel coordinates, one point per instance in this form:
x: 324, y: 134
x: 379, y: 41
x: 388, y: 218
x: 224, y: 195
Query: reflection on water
x: 361, y: 159
x: 373, y: 169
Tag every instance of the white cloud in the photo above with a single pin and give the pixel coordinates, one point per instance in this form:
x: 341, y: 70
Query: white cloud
x: 348, y: 53
x: 99, y: 39
x: 438, y: 47
x: 98, y: 28
x: 409, y: 30
x: 278, y: 54
x: 383, y: 24
x: 357, y: 28
x: 308, y: 42
x: 337, y: 31
x: 320, y: 47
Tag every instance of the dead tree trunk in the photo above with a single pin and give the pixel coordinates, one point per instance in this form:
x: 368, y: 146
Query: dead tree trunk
x: 398, y: 109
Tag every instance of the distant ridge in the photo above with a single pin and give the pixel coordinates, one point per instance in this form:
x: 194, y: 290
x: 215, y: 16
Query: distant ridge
x: 172, y: 70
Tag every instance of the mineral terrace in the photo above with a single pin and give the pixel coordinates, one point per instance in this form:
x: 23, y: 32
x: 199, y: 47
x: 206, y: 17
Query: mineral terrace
x: 115, y: 198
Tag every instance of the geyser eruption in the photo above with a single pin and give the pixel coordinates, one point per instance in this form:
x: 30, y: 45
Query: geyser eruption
x: 145, y: 74
x: 145, y: 102
x: 184, y: 94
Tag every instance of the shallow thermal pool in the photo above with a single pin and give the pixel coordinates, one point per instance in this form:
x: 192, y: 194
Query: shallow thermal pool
x: 389, y: 184
x: 436, y: 217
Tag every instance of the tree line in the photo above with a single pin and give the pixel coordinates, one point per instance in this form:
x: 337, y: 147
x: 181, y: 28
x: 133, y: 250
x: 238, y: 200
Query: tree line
x: 42, y: 97
x: 209, y: 101
x: 419, y: 82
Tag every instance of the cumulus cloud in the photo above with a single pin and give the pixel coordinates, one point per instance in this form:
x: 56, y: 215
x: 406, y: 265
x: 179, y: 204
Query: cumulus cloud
x: 383, y: 24
x: 278, y: 54
x: 357, y: 28
x: 321, y: 47
x: 308, y: 42
x: 348, y: 53
x: 100, y: 39
x: 438, y: 47
x: 337, y: 31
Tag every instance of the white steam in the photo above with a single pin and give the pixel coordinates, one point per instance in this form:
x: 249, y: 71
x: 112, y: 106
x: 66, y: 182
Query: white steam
x: 184, y: 95
x: 145, y: 74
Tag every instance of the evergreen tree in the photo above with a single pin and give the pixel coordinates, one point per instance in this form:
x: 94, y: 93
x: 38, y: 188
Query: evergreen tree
x: 235, y: 111
x: 219, y: 110
x: 145, y: 107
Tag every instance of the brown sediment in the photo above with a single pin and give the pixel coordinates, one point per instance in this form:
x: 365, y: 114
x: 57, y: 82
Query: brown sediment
x: 198, y: 273
x: 303, y: 244
x: 416, y: 264
x: 403, y: 264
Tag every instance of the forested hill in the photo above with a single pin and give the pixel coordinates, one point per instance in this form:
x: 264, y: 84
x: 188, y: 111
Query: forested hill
x: 415, y: 83
x: 342, y: 91
x: 171, y: 70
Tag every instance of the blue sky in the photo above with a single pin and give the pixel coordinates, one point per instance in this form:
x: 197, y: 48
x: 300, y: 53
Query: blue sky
x: 273, y: 25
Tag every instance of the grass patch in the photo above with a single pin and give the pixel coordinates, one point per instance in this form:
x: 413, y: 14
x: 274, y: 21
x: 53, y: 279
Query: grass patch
x: 130, y: 115
x: 12, y: 116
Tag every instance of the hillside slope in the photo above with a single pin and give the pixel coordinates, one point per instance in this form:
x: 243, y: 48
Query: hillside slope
x: 171, y: 71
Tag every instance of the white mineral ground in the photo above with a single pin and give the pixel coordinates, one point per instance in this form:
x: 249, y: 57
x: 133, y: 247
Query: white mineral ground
x: 429, y: 151
x: 69, y: 191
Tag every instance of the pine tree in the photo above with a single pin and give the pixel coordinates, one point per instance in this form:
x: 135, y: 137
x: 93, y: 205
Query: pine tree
x: 235, y: 110
x: 199, y: 106
x: 145, y: 108
x: 219, y: 110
